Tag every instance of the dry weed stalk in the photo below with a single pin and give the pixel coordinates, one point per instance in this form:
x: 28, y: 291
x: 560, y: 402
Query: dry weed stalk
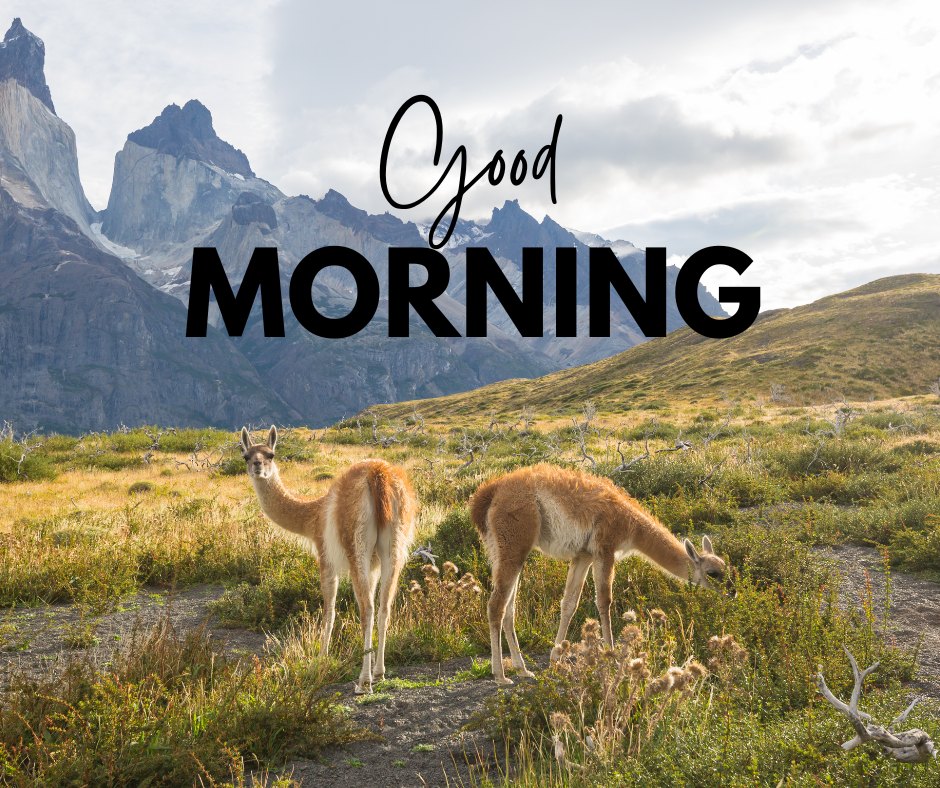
x: 443, y: 600
x: 619, y: 703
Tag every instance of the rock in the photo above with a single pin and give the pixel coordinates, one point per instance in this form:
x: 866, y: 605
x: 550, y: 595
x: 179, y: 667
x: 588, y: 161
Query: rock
x: 250, y: 208
x: 38, y: 155
x: 163, y: 204
x: 23, y: 58
x: 187, y: 133
x: 37, y: 149
x: 87, y: 345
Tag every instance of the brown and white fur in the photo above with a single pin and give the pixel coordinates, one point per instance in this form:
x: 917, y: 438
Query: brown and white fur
x: 580, y: 518
x: 363, y: 527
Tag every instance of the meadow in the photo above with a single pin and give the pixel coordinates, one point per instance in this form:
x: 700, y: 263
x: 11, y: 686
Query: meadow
x: 704, y: 688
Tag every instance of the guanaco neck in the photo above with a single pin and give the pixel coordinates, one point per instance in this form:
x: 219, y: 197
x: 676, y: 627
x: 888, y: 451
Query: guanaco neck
x: 654, y: 541
x: 298, y: 515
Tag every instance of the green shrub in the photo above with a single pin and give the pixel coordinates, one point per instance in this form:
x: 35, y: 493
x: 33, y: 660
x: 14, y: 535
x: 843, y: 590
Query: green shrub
x: 286, y: 587
x: 170, y: 710
x: 35, y: 466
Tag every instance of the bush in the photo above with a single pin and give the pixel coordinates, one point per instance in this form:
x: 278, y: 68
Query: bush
x: 287, y: 587
x: 441, y: 617
x: 34, y: 466
x: 601, y: 704
x: 456, y: 538
x: 170, y: 710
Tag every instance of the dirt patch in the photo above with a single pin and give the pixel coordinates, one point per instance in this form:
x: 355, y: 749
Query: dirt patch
x: 420, y: 729
x: 40, y: 640
x: 914, y: 612
x: 417, y: 717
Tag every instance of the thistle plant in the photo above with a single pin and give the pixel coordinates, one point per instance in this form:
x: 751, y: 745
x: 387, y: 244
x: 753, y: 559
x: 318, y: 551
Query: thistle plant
x: 440, y: 614
x: 608, y: 702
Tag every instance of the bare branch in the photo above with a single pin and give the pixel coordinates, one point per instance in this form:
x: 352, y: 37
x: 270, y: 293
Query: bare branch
x: 469, y: 448
x: 583, y: 428
x: 625, y: 464
x: 720, y: 431
x: 707, y: 477
x: 679, y: 445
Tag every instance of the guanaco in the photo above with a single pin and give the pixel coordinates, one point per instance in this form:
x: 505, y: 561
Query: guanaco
x: 363, y: 527
x: 580, y: 518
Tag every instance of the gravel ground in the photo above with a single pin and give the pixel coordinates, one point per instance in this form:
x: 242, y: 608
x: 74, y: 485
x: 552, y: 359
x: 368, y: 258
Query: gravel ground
x: 914, y: 613
x: 421, y: 739
x: 38, y: 640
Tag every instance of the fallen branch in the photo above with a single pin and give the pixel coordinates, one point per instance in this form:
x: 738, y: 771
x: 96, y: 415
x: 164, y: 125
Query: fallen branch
x: 912, y: 746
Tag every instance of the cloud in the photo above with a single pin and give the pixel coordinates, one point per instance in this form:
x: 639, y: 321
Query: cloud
x: 805, y: 133
x: 809, y: 243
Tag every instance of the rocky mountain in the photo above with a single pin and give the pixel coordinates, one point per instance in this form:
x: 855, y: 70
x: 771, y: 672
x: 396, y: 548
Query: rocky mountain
x: 166, y: 199
x: 87, y: 344
x: 84, y: 342
x: 118, y: 353
x: 23, y: 58
x: 38, y: 160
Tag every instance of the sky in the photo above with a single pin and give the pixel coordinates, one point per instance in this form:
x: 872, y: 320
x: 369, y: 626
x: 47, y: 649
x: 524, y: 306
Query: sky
x: 806, y: 134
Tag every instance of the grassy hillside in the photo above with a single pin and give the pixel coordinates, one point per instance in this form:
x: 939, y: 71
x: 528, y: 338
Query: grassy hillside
x: 878, y: 341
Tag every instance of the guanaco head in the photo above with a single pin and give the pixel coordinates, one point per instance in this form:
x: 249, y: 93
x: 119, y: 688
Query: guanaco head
x: 707, y: 568
x: 259, y: 456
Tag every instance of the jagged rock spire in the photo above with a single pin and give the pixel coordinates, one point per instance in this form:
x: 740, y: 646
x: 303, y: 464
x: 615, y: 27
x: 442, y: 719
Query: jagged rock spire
x: 187, y: 132
x: 22, y: 57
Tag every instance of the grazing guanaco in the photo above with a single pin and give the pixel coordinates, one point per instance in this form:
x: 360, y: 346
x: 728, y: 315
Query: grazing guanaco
x: 580, y: 518
x: 363, y: 526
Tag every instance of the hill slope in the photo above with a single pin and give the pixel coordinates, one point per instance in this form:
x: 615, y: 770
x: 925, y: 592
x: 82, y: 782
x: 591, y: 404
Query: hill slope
x: 876, y: 341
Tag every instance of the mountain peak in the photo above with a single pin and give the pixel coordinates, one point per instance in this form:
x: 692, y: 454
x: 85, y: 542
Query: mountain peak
x: 510, y: 206
x: 511, y: 217
x: 187, y: 132
x: 385, y: 227
x: 23, y: 57
x: 335, y: 199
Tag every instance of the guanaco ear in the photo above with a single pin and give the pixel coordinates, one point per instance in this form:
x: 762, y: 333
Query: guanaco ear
x: 707, y: 546
x: 246, y: 439
x: 272, y: 437
x: 694, y: 557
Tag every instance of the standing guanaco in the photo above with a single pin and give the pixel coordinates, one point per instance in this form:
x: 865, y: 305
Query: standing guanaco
x: 363, y: 526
